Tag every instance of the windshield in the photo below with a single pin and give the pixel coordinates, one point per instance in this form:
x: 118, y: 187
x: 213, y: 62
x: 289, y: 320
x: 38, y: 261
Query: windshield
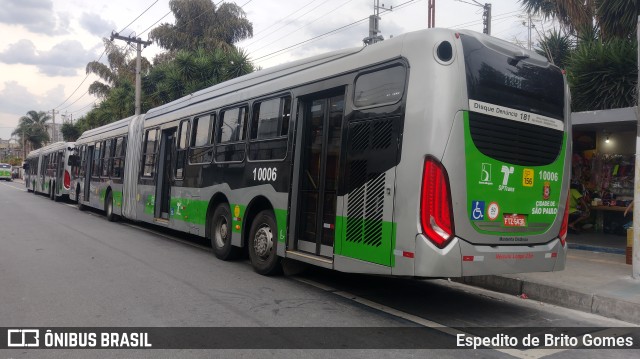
x: 518, y: 83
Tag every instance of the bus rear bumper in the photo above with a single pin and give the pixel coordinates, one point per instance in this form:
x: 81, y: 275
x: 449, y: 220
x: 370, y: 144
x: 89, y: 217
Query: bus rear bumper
x: 461, y: 258
x: 483, y: 260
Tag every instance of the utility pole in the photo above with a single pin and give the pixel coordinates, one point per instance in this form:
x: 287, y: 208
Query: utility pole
x: 374, y: 20
x: 139, y: 42
x: 486, y: 18
x: 54, y: 132
x: 431, y: 22
x: 529, y: 31
x: 635, y: 260
x: 486, y: 15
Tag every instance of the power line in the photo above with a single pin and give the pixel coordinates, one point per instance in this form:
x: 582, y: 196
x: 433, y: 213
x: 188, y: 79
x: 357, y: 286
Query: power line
x: 74, y: 91
x: 313, y: 38
x: 303, y: 26
x: 279, y: 21
x: 134, y: 20
x: 99, y: 58
x: 267, y: 35
x: 275, y: 53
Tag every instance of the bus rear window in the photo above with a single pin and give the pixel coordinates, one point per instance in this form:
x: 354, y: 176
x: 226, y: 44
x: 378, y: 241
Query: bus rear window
x: 382, y: 87
x: 518, y: 83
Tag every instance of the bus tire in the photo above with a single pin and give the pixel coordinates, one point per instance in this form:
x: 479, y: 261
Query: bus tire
x: 221, y: 229
x: 263, y: 242
x: 108, y: 208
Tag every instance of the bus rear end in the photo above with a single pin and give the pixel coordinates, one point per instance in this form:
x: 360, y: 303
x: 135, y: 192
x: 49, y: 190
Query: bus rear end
x: 5, y: 171
x: 495, y: 202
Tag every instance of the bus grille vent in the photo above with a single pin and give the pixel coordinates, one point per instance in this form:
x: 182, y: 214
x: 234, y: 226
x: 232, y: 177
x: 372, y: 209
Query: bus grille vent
x: 515, y: 142
x: 359, y: 136
x: 375, y: 135
x: 381, y: 134
x: 364, y: 212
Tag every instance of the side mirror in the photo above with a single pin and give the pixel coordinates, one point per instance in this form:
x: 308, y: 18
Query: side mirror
x: 25, y: 166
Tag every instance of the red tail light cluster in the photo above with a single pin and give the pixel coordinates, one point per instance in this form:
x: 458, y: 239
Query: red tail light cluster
x: 67, y: 180
x: 565, y: 225
x: 436, y: 216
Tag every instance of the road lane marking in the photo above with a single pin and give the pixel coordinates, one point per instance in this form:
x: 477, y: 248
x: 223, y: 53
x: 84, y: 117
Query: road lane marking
x: 522, y: 354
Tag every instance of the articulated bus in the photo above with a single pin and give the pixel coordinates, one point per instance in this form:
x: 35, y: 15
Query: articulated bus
x: 5, y: 171
x: 48, y: 170
x: 433, y: 154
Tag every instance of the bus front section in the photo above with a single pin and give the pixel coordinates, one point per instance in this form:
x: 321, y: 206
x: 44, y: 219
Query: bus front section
x: 498, y: 195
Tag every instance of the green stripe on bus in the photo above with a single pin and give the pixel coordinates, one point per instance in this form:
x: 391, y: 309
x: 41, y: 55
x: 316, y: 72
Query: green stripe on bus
x: 363, y: 248
x: 117, y: 198
x: 281, y: 222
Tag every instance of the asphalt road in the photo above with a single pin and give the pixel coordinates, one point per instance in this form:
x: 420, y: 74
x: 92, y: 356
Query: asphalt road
x: 60, y: 267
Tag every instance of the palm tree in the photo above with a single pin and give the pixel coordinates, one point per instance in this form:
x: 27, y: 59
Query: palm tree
x: 199, y: 24
x: 610, y: 18
x: 121, y: 69
x: 556, y: 47
x: 190, y: 71
x: 33, y: 128
x: 601, y: 69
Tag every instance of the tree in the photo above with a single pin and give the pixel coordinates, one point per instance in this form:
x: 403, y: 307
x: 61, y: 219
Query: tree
x: 200, y: 25
x: 121, y: 69
x: 603, y: 75
x: 610, y: 18
x: 70, y: 132
x: 191, y: 71
x: 601, y: 68
x: 33, y: 128
x: 556, y: 47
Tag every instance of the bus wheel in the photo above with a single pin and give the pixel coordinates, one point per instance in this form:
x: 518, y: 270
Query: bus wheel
x: 221, y: 234
x: 108, y: 208
x: 263, y: 241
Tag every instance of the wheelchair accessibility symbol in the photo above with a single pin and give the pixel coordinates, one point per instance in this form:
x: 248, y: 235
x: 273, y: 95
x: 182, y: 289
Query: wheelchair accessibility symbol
x: 477, y: 210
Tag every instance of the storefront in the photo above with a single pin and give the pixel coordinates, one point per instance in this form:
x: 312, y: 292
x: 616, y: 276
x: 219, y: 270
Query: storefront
x: 604, y: 144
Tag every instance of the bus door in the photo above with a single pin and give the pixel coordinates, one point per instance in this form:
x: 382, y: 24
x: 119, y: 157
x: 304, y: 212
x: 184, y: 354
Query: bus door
x: 88, y: 163
x: 59, y: 172
x: 163, y: 181
x: 320, y: 165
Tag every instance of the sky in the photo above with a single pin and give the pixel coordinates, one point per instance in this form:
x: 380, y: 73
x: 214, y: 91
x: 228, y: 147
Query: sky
x: 46, y: 44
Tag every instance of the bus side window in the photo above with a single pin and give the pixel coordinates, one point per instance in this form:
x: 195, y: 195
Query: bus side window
x: 149, y: 153
x: 83, y: 161
x: 107, y: 152
x: 95, y: 161
x: 230, y: 134
x: 269, y: 129
x: 200, y: 151
x: 118, y: 154
x: 181, y: 149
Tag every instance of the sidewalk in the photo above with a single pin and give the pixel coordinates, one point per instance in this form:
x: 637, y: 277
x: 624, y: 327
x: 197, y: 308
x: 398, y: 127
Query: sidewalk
x: 595, y: 281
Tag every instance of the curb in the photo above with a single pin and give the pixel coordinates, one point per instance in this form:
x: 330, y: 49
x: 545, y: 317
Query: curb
x: 587, y: 302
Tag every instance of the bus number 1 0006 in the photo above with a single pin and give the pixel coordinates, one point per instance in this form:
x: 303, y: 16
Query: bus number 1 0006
x: 265, y: 174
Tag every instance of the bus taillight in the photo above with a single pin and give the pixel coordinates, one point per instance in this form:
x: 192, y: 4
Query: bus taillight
x: 565, y: 225
x: 435, y: 204
x: 67, y: 180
